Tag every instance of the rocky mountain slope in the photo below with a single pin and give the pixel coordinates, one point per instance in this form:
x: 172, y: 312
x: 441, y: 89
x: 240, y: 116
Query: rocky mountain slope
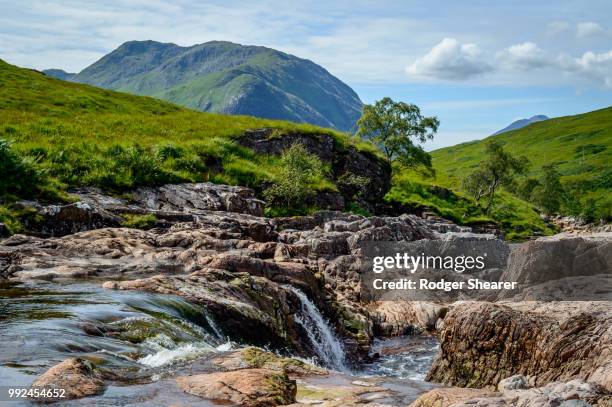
x: 230, y: 78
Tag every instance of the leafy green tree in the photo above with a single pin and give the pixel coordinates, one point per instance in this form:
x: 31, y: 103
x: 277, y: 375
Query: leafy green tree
x: 299, y: 170
x: 549, y: 194
x: 394, y: 126
x: 499, y: 169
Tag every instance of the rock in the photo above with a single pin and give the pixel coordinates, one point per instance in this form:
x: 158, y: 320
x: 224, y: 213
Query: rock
x: 482, y: 343
x: 342, y: 160
x: 246, y: 387
x: 394, y: 318
x: 206, y: 196
x: 251, y: 357
x: 516, y: 382
x: 77, y: 376
x: 560, y: 256
x: 61, y: 220
x: 447, y: 397
x: 575, y: 393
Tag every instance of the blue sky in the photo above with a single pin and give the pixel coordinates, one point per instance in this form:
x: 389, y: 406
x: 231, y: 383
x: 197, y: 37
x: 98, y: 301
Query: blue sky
x: 477, y: 65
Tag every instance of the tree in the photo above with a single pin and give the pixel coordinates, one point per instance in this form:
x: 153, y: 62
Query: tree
x: 298, y: 171
x: 497, y: 170
x: 393, y: 126
x: 549, y: 194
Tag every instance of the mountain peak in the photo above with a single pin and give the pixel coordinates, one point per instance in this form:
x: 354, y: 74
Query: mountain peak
x: 518, y: 124
x: 225, y: 77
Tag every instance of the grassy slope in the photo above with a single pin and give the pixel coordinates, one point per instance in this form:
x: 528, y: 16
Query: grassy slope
x: 80, y: 135
x: 580, y: 146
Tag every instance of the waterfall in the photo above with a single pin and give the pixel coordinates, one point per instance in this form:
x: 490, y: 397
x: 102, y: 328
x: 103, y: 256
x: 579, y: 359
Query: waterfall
x: 326, y: 344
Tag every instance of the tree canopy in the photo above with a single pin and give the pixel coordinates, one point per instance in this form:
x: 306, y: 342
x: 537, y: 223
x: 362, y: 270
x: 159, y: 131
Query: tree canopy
x: 394, y: 127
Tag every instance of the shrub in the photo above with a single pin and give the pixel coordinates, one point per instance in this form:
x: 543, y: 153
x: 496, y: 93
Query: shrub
x: 299, y: 170
x: 18, y: 176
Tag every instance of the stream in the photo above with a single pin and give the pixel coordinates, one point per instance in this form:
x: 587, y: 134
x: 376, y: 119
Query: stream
x: 144, y: 338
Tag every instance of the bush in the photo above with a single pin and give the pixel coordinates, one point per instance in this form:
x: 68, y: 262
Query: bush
x: 18, y: 176
x: 299, y: 170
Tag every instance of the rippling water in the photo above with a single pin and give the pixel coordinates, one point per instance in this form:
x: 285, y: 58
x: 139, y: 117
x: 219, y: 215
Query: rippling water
x: 139, y: 337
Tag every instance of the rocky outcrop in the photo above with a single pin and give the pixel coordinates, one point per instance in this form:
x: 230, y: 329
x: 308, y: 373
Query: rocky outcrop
x: 447, y: 397
x: 78, y: 377
x: 560, y: 256
x: 344, y: 161
x: 246, y: 387
x: 483, y: 343
x: 61, y: 220
x: 194, y: 198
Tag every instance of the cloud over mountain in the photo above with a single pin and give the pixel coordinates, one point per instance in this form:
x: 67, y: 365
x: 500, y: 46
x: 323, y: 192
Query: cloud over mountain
x: 450, y: 60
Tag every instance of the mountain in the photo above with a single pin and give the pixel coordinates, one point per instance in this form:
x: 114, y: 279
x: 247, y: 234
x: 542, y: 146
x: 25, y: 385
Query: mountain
x: 230, y: 78
x: 59, y: 74
x: 518, y: 124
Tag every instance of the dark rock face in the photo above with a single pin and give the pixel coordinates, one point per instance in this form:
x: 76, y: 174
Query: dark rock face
x: 343, y: 161
x: 61, y: 220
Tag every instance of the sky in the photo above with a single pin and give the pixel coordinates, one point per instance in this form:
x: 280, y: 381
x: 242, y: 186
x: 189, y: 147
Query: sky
x: 477, y: 65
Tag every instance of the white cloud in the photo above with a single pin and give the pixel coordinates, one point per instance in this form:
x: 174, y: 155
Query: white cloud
x: 591, y: 66
x: 557, y: 27
x: 450, y: 60
x: 587, y: 29
x: 525, y: 56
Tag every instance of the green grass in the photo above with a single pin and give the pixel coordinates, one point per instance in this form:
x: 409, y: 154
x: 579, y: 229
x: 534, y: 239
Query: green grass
x: 579, y: 146
x: 72, y: 135
x: 518, y: 219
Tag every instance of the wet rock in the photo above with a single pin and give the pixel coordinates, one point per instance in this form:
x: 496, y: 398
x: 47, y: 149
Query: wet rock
x: 77, y: 376
x: 483, y: 343
x: 246, y: 387
x: 251, y: 357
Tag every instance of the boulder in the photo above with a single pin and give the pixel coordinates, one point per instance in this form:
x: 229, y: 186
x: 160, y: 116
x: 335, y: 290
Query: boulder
x: 78, y: 377
x: 483, y: 343
x: 246, y: 387
x: 447, y: 397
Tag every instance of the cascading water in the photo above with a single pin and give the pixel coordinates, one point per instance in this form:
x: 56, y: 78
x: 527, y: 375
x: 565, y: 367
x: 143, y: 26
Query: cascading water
x: 326, y: 344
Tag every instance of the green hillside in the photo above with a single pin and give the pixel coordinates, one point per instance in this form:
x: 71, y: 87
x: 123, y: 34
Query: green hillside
x: 580, y: 147
x: 64, y: 134
x: 224, y: 77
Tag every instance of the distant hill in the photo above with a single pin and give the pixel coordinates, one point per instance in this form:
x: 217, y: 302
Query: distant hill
x: 579, y: 146
x: 519, y: 124
x: 230, y: 78
x: 59, y: 74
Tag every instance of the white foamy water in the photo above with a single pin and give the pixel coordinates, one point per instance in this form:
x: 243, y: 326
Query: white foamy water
x: 183, y: 352
x: 326, y: 344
